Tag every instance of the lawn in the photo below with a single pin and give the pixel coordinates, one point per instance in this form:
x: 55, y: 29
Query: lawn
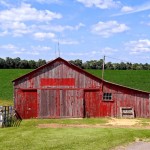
x: 29, y: 136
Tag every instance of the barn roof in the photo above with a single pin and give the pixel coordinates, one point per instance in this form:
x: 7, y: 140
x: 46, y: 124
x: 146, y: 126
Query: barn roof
x: 78, y: 69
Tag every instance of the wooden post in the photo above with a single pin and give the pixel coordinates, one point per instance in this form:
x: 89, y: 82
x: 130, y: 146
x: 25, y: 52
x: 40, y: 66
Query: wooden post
x: 103, y: 67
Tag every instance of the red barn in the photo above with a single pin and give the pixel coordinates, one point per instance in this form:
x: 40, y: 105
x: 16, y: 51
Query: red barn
x: 60, y: 89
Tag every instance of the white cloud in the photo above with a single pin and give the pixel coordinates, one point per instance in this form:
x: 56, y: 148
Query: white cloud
x: 94, y: 53
x: 43, y: 35
x: 41, y: 48
x: 49, y: 1
x: 4, y: 33
x: 106, y: 29
x: 9, y: 47
x: 102, y: 4
x: 32, y: 50
x: 127, y: 9
x: 4, y: 3
x: 108, y: 51
x: 27, y: 13
x: 58, y: 28
x: 19, y: 21
x: 27, y: 20
x: 66, y: 41
x: 139, y: 46
x: 131, y: 10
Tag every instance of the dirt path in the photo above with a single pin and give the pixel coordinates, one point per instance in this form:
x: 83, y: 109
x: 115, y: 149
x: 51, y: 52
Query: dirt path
x: 112, y: 123
x: 140, y: 145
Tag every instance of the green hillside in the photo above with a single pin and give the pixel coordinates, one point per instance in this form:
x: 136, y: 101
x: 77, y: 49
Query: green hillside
x: 139, y: 79
x: 6, y: 86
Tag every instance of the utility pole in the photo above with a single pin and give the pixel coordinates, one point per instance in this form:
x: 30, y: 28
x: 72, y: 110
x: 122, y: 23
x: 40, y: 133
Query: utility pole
x: 58, y: 49
x: 103, y: 68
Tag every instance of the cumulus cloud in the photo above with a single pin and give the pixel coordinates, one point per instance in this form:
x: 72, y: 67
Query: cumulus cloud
x: 94, y: 53
x: 58, y: 28
x: 20, y: 20
x: 127, y: 9
x: 135, y: 9
x: 9, y: 47
x: 32, y: 50
x: 66, y: 41
x: 107, y: 29
x: 49, y: 1
x: 27, y: 13
x: 139, y: 46
x: 44, y: 35
x: 102, y: 4
x: 27, y: 20
x: 4, y: 3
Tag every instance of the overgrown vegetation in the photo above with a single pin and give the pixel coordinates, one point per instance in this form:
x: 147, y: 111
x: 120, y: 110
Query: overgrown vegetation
x: 29, y: 136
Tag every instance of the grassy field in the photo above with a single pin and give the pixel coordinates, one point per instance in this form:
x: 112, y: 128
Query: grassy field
x: 30, y: 136
x: 139, y: 79
x: 6, y: 86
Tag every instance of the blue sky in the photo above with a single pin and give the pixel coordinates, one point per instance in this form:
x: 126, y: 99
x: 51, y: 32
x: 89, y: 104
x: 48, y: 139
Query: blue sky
x: 85, y: 29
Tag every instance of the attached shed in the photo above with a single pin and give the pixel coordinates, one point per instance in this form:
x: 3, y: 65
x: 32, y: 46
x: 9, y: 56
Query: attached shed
x: 60, y: 89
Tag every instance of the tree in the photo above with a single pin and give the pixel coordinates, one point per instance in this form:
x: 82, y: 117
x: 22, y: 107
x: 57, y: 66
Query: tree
x: 109, y: 66
x: 17, y: 62
x: 77, y: 62
x: 24, y: 64
x: 32, y: 64
x: 10, y: 63
x: 40, y: 62
x: 2, y: 63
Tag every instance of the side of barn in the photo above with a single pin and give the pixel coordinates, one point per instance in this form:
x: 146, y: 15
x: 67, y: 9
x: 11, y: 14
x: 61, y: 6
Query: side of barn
x: 61, y: 90
x: 112, y: 98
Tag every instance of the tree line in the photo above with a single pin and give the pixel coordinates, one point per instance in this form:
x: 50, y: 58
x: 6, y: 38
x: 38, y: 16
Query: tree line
x: 98, y: 64
x: 10, y: 63
x: 14, y: 63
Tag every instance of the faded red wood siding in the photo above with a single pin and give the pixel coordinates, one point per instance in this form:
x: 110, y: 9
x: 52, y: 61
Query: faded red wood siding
x: 26, y: 103
x: 60, y: 90
x: 61, y: 103
x: 59, y: 70
x: 124, y: 97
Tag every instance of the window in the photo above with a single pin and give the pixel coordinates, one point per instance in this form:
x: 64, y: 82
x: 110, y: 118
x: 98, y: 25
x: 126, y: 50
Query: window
x: 107, y: 96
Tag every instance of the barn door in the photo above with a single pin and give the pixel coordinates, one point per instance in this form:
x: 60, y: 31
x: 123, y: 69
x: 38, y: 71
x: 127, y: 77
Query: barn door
x: 30, y: 104
x: 49, y: 104
x: 61, y: 103
x: 71, y: 103
x: 92, y: 104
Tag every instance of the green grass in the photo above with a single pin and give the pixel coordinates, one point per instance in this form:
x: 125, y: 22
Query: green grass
x: 139, y: 79
x: 6, y: 86
x: 29, y: 136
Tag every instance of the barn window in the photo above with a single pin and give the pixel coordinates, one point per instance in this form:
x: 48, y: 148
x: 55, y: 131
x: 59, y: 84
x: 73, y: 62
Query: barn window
x: 107, y: 96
